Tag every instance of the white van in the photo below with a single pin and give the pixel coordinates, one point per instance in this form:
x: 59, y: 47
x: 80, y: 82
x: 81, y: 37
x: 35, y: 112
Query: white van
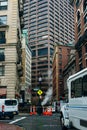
x: 74, y: 113
x: 8, y: 107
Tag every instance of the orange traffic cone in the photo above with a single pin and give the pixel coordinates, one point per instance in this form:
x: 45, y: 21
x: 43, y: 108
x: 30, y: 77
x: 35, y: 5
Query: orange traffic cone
x: 31, y: 113
x: 50, y: 112
x: 44, y: 111
x: 34, y: 110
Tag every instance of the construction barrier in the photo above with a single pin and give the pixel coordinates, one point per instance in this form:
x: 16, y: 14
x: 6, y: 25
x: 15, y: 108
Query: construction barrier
x: 45, y: 110
x: 33, y: 110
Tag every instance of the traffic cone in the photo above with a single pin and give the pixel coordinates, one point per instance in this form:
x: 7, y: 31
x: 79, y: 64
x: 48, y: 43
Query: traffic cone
x: 34, y: 110
x: 31, y: 113
x: 44, y: 111
x: 50, y: 112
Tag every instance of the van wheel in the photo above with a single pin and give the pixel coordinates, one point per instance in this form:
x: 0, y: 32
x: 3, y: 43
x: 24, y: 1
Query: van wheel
x: 11, y: 117
x: 62, y: 123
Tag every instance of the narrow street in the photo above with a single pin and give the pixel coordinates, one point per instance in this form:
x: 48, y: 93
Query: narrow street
x: 34, y: 122
x: 41, y: 123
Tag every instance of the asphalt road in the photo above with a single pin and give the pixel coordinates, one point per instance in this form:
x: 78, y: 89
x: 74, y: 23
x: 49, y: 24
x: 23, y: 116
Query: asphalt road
x: 35, y: 122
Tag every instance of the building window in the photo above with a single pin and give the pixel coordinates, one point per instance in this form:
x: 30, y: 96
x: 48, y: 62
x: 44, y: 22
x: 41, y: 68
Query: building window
x: 60, y: 64
x: 3, y: 5
x: 2, y: 56
x: 80, y: 66
x: 51, y: 51
x: 85, y: 19
x: 77, y: 2
x: 2, y: 70
x: 85, y: 5
x: 78, y: 16
x: 60, y: 50
x: 86, y: 48
x: 43, y: 67
x: 79, y: 28
x: 2, y: 37
x: 43, y: 51
x: 60, y: 56
x: 86, y: 62
x: 80, y: 53
x: 33, y: 53
x: 3, y: 20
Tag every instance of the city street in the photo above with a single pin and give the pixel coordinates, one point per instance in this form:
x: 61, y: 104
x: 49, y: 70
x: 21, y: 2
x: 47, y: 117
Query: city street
x: 35, y: 122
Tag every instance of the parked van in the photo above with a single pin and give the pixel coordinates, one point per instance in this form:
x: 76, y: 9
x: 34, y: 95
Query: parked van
x: 8, y: 107
x: 74, y: 113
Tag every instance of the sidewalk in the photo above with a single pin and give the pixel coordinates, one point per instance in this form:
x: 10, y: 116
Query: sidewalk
x: 4, y: 126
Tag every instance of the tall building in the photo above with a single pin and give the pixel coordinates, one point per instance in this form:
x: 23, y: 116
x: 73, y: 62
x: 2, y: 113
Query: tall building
x: 26, y: 63
x: 50, y: 22
x: 25, y: 13
x: 11, y: 23
x: 80, y: 11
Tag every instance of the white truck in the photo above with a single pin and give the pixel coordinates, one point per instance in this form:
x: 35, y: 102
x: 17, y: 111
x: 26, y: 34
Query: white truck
x: 8, y: 108
x: 74, y: 113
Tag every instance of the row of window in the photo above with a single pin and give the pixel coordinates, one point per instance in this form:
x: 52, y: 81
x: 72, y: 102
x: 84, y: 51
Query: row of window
x: 43, y: 51
x: 3, y: 5
x: 79, y: 87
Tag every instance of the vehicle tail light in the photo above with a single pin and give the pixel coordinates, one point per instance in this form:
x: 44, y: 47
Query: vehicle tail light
x: 3, y: 108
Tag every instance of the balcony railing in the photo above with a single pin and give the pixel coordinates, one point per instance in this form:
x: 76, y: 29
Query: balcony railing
x: 2, y: 41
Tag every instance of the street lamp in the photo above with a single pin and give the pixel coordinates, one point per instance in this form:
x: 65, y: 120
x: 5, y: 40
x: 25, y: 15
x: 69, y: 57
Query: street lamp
x: 39, y: 110
x: 40, y: 80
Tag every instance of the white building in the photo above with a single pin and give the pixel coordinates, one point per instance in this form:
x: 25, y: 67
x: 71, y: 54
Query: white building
x: 26, y: 56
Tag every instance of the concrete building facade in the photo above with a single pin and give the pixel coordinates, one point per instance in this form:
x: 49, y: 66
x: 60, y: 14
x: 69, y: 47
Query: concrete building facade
x: 11, y: 22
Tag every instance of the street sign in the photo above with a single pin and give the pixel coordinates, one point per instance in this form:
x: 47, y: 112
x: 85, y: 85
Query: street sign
x: 39, y: 92
x: 36, y: 89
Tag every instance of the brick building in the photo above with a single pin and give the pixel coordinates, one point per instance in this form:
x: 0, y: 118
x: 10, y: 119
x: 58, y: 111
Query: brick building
x: 80, y: 12
x: 60, y: 59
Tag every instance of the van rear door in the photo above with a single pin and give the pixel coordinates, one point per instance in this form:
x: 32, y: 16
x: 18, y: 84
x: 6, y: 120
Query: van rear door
x: 11, y: 106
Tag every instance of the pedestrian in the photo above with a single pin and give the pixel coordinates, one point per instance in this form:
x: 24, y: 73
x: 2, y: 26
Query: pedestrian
x: 39, y: 108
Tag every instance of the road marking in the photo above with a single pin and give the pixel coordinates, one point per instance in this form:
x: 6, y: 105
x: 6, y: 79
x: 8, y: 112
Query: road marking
x: 17, y: 120
x: 49, y: 125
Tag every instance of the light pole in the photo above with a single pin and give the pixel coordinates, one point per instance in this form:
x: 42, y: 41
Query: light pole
x: 39, y: 110
x: 40, y: 80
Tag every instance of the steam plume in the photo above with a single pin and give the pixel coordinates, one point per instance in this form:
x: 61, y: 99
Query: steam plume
x: 47, y: 96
